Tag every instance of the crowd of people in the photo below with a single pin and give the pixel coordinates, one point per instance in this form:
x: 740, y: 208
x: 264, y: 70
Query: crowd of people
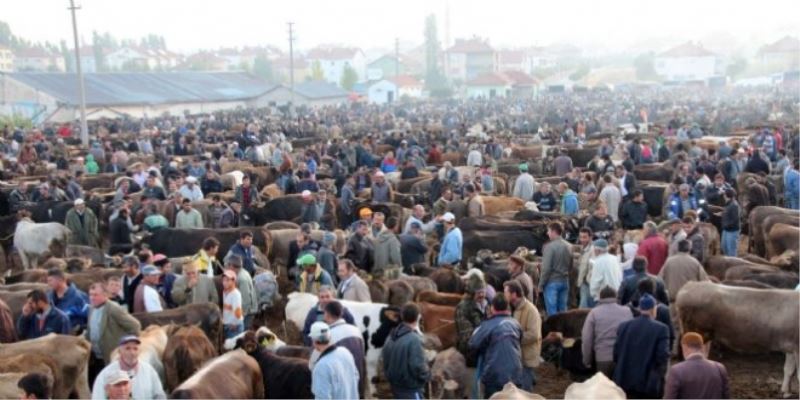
x: 629, y: 334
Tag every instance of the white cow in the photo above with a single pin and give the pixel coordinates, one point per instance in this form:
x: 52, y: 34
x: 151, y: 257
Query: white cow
x: 32, y: 240
x: 598, y: 387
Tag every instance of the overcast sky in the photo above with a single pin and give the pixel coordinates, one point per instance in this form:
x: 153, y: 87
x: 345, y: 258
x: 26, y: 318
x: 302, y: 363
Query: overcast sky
x: 618, y: 24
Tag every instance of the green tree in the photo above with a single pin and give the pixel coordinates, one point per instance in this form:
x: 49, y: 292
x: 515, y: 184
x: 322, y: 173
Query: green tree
x: 135, y: 66
x: 67, y: 55
x: 349, y: 77
x: 580, y: 72
x: 737, y: 67
x: 644, y: 64
x: 316, y: 71
x: 99, y: 50
x: 262, y: 68
x: 435, y: 81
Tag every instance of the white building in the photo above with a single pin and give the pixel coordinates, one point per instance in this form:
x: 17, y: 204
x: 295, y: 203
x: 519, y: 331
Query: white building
x: 469, y: 58
x: 538, y: 58
x: 127, y: 57
x: 687, y: 62
x: 407, y: 86
x: 782, y: 55
x: 38, y: 59
x: 6, y: 59
x: 383, y: 91
x: 334, y: 60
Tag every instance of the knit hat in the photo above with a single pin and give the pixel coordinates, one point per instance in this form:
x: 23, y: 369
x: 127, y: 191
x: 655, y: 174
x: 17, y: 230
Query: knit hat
x: 523, y: 167
x: 307, y: 259
x: 474, y: 284
x: 647, y: 302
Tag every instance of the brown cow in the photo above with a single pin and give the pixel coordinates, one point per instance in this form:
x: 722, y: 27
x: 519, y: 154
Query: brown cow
x: 493, y: 205
x: 738, y: 272
x: 14, y: 301
x: 736, y: 318
x: 71, y: 362
x: 8, y: 334
x: 783, y: 237
x: 760, y: 226
x: 207, y: 315
x: 399, y: 292
x: 717, y: 265
x: 187, y: 350
x: 449, y: 376
x: 234, y: 375
x: 34, y: 363
x: 442, y: 299
x: 439, y: 321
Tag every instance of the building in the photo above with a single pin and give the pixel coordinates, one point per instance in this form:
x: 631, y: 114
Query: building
x: 537, y: 58
x: 6, y: 59
x: 318, y: 94
x: 383, y: 91
x: 516, y: 84
x: 782, y: 55
x: 687, y: 62
x: 334, y: 60
x: 511, y: 60
x: 281, y: 67
x: 408, y: 87
x: 386, y: 66
x: 128, y: 58
x: 469, y: 58
x: 38, y: 59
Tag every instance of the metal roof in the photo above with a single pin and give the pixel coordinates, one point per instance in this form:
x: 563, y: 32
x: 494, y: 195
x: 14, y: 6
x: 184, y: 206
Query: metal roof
x: 130, y: 88
x: 319, y: 90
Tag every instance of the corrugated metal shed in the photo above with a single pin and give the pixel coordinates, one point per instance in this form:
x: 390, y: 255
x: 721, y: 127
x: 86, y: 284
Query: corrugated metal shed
x: 130, y: 88
x: 319, y: 90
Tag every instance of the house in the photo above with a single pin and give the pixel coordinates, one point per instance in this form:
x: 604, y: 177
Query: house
x: 38, y: 59
x: 386, y: 66
x: 536, y: 58
x: 334, y: 60
x: 203, y: 61
x: 281, y: 67
x: 407, y: 86
x: 128, y: 58
x: 782, y: 55
x: 88, y: 59
x: 515, y: 84
x: 318, y: 94
x: 511, y: 60
x: 469, y: 58
x: 687, y: 62
x: 383, y: 91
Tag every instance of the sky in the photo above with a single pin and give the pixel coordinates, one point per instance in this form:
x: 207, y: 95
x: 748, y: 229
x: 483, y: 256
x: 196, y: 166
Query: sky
x: 613, y: 25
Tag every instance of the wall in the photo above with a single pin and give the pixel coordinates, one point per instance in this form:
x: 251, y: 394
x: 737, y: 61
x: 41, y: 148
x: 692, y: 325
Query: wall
x: 685, y: 68
x: 413, y: 92
x: 486, y: 91
x: 379, y: 92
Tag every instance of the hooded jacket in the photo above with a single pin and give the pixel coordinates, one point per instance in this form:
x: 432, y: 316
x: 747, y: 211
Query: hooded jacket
x: 499, y: 340
x: 387, y: 251
x: 404, y: 363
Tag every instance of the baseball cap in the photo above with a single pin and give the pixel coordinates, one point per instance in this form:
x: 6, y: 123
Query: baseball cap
x: 191, y: 179
x: 150, y: 270
x: 307, y: 259
x: 230, y: 274
x: 78, y: 202
x: 601, y: 243
x: 647, y: 302
x: 320, y: 332
x: 117, y: 376
x: 129, y: 338
x: 523, y: 167
x: 365, y: 212
x: 448, y: 217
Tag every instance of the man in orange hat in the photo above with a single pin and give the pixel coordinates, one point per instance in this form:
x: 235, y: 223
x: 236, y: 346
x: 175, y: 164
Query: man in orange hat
x: 697, y: 377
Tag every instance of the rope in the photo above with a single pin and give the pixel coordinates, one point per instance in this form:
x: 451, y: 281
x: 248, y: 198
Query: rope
x: 3, y: 239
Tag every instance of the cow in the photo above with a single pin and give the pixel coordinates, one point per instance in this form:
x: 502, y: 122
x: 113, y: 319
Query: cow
x: 597, y: 387
x: 207, y: 316
x: 562, y: 341
x: 741, y: 271
x: 151, y: 350
x: 512, y: 392
x: 83, y: 280
x: 658, y: 172
x: 760, y: 226
x: 500, y: 241
x: 173, y: 242
x: 493, y: 205
x: 233, y: 375
x: 778, y: 279
x: 399, y: 292
x: 450, y: 378
x: 24, y: 364
x: 188, y: 348
x: 447, y: 280
x: 15, y: 301
x: 442, y: 299
x: 72, y: 360
x: 439, y: 321
x: 24, y: 287
x: 33, y: 240
x: 283, y: 377
x: 8, y: 333
x: 783, y: 237
x: 31, y: 275
x: 281, y: 238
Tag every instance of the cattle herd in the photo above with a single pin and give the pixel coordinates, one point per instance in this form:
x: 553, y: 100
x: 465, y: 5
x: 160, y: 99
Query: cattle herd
x: 402, y: 203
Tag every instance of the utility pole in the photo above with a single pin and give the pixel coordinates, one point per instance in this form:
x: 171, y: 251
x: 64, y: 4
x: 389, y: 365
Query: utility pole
x: 396, y: 57
x: 291, y: 64
x: 81, y: 88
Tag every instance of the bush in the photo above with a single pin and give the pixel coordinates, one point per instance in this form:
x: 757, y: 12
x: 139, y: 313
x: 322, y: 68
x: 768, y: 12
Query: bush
x: 16, y: 120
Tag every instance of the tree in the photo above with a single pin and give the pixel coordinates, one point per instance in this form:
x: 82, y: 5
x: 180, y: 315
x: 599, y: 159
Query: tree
x: 316, y: 71
x: 579, y: 73
x: 99, y: 49
x: 67, y: 55
x: 645, y: 67
x: 435, y: 81
x: 262, y: 68
x: 349, y: 77
x: 737, y: 67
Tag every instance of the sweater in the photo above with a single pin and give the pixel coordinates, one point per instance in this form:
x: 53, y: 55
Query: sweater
x: 600, y: 330
x: 556, y: 262
x: 189, y: 220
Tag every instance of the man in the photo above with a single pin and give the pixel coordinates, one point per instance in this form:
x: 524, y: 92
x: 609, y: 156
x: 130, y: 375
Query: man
x: 791, y: 185
x: 556, y: 264
x: 404, y: 363
x: 334, y: 375
x: 82, y: 222
x: 145, y: 383
x: 611, y: 197
x: 524, y: 184
x: 516, y: 267
x: 247, y: 194
x: 470, y: 312
x: 413, y: 249
x: 600, y: 222
x: 118, y: 386
x: 600, y: 331
x: 544, y: 198
x: 475, y: 207
x: 641, y: 353
x: 232, y: 312
x: 697, y: 377
x: 418, y: 212
x: 317, y: 313
x: 302, y: 244
x: 627, y: 182
x: 147, y: 298
x: 34, y: 386
x: 206, y: 258
x: 630, y: 285
x: 585, y: 267
x: 220, y: 215
x: 130, y: 280
x: 39, y: 318
x: 676, y: 234
x: 347, y: 202
x: 326, y: 257
x: 244, y: 282
x: 634, y: 211
x: 348, y: 337
x: 312, y: 277
x: 498, y: 341
x: 108, y: 323
x: 359, y: 248
x: 695, y: 237
x: 681, y: 202
x: 68, y: 298
x: 653, y: 248
x: 152, y: 189
x: 351, y: 286
x: 244, y: 249
x: 680, y: 269
x: 387, y: 248
x: 450, y: 253
x: 730, y: 224
x: 526, y: 314
x: 188, y: 217
x: 381, y: 190
x: 569, y: 200
x: 309, y: 213
x: 606, y: 271
x: 190, y: 190
x: 193, y: 287
x: 562, y: 163
x: 377, y: 225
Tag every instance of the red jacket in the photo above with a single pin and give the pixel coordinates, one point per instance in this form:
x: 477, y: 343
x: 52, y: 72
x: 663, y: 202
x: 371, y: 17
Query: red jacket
x: 655, y: 249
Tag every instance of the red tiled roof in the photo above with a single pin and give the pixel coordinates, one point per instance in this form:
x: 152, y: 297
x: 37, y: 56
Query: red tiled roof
x: 687, y: 49
x: 405, y: 81
x: 519, y: 78
x: 470, y: 46
x: 787, y: 44
x: 332, y: 53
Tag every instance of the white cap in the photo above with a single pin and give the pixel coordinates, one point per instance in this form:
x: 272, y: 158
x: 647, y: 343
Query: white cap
x: 116, y: 377
x: 78, y: 202
x: 191, y: 179
x: 320, y: 332
x: 448, y: 217
x: 306, y: 193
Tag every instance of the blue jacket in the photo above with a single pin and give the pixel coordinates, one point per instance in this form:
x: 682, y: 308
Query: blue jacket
x: 791, y: 183
x: 451, y: 247
x: 676, y: 205
x: 641, y: 353
x: 569, y: 203
x: 499, y: 339
x: 55, y: 322
x: 75, y: 304
x: 247, y: 257
x: 315, y: 315
x: 404, y: 362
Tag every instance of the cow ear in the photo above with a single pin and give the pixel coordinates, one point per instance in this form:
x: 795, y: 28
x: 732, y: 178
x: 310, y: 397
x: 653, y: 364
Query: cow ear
x: 450, y: 385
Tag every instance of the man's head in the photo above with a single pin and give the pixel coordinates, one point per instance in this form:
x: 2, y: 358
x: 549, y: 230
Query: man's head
x: 320, y: 335
x: 691, y: 343
x: 98, y: 294
x: 637, y: 196
x: 499, y: 305
x: 362, y: 228
x: 80, y: 205
x: 326, y: 295
x: 410, y: 314
x: 308, y: 263
x: 113, y: 285
x: 515, y: 263
x: 377, y: 219
x: 650, y: 228
x: 190, y: 181
x: 246, y: 239
x: 186, y: 205
x: 647, y: 305
x: 601, y: 211
x: 585, y: 236
x: 211, y: 246
x: 675, y: 225
x: 683, y: 190
x: 563, y: 187
x: 688, y: 223
x: 306, y: 196
x: 129, y: 349
x: 345, y: 269
x: 513, y: 292
x: 151, y: 274
x: 447, y: 194
x: 228, y: 280
x: 419, y: 211
x: 684, y: 246
x: 730, y: 194
x: 620, y: 171
x: 233, y: 261
x: 639, y: 264
x: 554, y: 230
x: 37, y: 300
x: 56, y: 279
x: 391, y: 223
x: 600, y: 247
x: 470, y: 190
x: 333, y: 312
x: 35, y: 386
x: 449, y: 220
x: 607, y: 292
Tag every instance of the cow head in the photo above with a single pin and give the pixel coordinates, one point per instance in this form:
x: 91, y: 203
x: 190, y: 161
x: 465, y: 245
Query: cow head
x: 247, y: 342
x: 442, y: 388
x: 389, y: 319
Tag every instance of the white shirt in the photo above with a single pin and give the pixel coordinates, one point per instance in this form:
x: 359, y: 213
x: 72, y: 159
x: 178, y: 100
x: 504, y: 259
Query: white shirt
x: 426, y: 228
x: 612, y: 197
x: 152, y: 300
x: 232, y: 313
x: 606, y: 271
x: 474, y: 158
x: 193, y: 194
x: 145, y: 383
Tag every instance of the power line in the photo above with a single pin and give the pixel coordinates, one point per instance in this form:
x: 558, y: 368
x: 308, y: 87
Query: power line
x: 79, y: 70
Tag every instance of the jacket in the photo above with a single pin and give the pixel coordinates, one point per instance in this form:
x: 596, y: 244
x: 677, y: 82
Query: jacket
x: 655, y: 249
x: 74, y: 304
x: 335, y: 375
x: 697, y: 378
x: 678, y: 270
x: 55, y: 321
x: 328, y: 260
x: 404, y: 363
x: 359, y: 251
x: 675, y: 209
x: 556, y: 262
x: 129, y: 287
x: 115, y: 323
x: 633, y: 214
x: 523, y: 187
x: 387, y: 251
x: 498, y: 340
x: 203, y: 292
x: 348, y: 337
x: 120, y: 233
x: 315, y: 314
x: 730, y: 216
x: 412, y: 250
x: 248, y: 263
x: 82, y: 234
x: 450, y: 252
x: 641, y: 353
x: 244, y: 282
x: 606, y: 271
x: 529, y: 320
x: 569, y: 203
x: 600, y: 331
x: 527, y: 283
x: 211, y: 185
x: 321, y: 277
x: 698, y: 242
x: 628, y: 289
x: 585, y: 264
x: 191, y: 219
x: 469, y: 316
x: 145, y: 383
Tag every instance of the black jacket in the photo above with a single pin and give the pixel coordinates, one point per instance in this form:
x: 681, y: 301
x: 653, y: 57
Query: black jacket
x: 404, y: 363
x: 628, y: 291
x: 359, y: 251
x: 412, y: 250
x: 120, y: 232
x: 730, y: 217
x: 633, y: 215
